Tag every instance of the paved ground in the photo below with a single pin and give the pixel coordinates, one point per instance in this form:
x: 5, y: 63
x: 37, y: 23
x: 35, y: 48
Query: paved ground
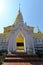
x: 18, y: 63
x: 22, y: 63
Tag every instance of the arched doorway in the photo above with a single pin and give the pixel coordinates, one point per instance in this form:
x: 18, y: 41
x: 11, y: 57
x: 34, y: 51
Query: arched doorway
x: 20, y: 43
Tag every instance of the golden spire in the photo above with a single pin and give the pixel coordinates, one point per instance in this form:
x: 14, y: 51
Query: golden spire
x: 19, y: 8
x: 39, y: 30
x: 19, y: 17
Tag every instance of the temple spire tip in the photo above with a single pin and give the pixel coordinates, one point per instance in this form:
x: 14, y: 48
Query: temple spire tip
x: 19, y: 7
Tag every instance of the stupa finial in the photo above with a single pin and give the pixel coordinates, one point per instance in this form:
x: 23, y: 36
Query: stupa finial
x: 19, y: 7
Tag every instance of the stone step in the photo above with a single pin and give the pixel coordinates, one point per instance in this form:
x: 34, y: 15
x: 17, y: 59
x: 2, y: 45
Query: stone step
x: 22, y: 58
x: 21, y: 55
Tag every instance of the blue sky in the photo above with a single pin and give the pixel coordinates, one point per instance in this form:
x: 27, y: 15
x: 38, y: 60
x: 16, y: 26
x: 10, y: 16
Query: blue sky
x: 32, y: 11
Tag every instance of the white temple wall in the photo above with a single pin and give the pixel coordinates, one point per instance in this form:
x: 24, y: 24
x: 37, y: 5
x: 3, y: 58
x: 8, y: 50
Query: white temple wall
x: 27, y: 35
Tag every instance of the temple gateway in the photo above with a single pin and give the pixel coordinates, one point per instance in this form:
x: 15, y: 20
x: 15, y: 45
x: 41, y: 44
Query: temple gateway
x: 20, y: 38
